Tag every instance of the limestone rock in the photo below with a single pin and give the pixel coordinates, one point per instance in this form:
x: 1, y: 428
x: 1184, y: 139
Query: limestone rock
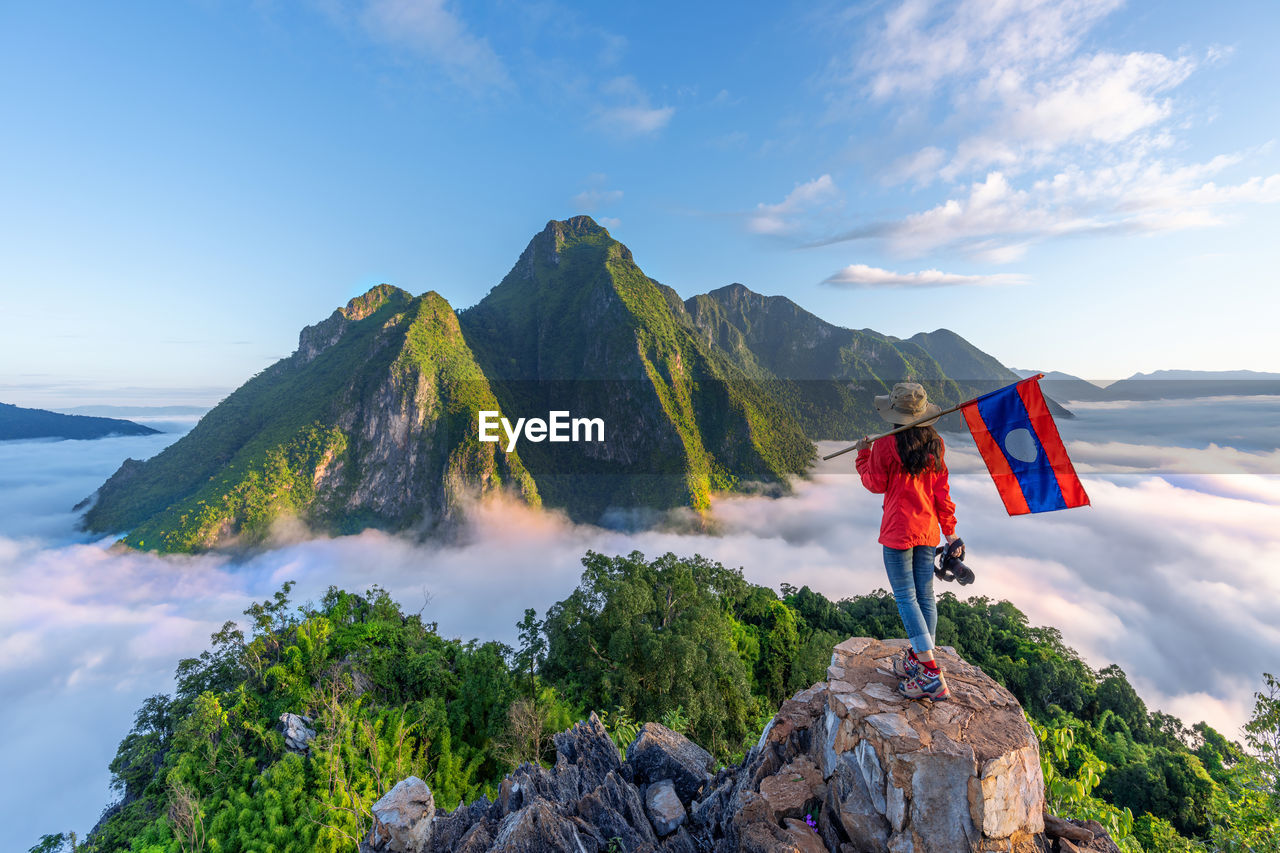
x: 1099, y: 841
x: 803, y: 837
x: 666, y: 812
x: 918, y: 776
x: 794, y: 791
x: 658, y: 753
x: 537, y: 828
x: 402, y: 819
x: 297, y: 731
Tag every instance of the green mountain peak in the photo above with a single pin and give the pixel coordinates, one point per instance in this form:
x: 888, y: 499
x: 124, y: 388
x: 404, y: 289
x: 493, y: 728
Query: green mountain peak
x: 373, y: 299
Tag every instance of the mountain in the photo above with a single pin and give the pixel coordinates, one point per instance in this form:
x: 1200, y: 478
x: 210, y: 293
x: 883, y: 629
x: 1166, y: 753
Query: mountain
x: 827, y: 374
x: 369, y: 423
x: 577, y: 326
x: 374, y: 421
x: 1161, y: 385
x: 1064, y: 386
x: 17, y: 422
x: 1182, y: 384
x: 137, y: 411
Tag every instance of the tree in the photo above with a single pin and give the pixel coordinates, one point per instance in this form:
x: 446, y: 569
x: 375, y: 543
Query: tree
x: 56, y: 843
x: 650, y: 637
x: 532, y: 652
x: 1262, y: 732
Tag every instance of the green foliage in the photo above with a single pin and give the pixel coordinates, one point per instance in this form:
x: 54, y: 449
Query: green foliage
x: 1071, y: 772
x: 621, y: 728
x: 1248, y: 814
x: 682, y: 641
x: 207, y: 769
x: 651, y: 637
x: 676, y: 719
x: 57, y: 843
x: 1262, y: 733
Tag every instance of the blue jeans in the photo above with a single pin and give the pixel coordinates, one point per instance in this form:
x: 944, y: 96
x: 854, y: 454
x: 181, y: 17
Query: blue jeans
x: 911, y: 576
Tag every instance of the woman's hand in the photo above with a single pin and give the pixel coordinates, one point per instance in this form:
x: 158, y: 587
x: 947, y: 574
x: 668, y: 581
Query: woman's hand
x: 951, y: 537
x: 862, y: 444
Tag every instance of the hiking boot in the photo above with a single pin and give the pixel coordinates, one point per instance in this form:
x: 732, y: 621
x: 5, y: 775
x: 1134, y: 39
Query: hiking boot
x: 926, y: 685
x: 906, y: 665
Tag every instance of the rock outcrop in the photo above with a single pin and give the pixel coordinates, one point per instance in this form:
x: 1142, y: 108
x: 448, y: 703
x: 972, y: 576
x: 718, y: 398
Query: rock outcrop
x: 297, y: 731
x: 899, y: 775
x: 847, y: 765
x: 403, y: 818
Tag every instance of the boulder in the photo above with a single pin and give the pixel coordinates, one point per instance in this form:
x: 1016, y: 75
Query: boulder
x: 402, y: 819
x: 537, y: 828
x: 794, y: 791
x: 666, y: 812
x: 297, y: 732
x: 959, y: 775
x: 658, y: 753
x: 1084, y: 836
x: 802, y: 836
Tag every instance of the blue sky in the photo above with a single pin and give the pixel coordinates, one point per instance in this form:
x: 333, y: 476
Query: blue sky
x: 1081, y: 185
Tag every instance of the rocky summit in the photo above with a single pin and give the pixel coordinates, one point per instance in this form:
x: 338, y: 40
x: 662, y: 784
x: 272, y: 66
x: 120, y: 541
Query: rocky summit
x: 847, y: 765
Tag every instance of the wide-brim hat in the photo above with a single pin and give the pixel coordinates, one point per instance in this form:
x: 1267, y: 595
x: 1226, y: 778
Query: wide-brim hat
x: 907, y: 402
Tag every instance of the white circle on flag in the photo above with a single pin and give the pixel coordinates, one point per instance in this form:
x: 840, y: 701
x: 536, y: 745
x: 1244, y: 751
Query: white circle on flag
x: 1021, y: 445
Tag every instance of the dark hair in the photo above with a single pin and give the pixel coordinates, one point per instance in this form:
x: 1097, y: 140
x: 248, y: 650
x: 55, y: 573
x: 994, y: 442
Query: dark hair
x: 920, y: 449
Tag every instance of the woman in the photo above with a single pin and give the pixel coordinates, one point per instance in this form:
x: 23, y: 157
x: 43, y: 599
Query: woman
x: 907, y: 468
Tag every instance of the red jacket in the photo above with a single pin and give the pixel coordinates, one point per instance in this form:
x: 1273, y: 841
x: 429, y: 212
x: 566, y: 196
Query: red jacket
x: 914, y: 506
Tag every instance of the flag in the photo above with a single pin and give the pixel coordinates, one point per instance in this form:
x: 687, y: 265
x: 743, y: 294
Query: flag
x: 1019, y: 441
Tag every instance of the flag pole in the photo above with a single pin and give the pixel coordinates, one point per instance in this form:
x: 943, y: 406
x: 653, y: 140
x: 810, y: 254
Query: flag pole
x: 917, y: 421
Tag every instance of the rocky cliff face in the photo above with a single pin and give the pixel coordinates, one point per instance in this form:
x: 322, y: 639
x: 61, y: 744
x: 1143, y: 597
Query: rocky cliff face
x: 369, y: 423
x: 847, y: 765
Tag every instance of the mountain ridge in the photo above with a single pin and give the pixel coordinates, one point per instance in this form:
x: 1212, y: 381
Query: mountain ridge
x: 372, y: 421
x: 17, y: 422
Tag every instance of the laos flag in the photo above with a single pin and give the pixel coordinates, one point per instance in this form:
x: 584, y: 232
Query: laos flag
x: 1019, y: 441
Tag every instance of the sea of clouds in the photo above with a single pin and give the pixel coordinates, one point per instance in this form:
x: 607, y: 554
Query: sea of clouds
x: 1171, y: 573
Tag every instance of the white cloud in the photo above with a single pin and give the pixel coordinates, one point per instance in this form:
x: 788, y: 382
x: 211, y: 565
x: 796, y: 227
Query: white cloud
x: 863, y: 276
x: 631, y: 114
x: 1103, y: 99
x: 921, y: 167
x: 635, y: 120
x: 786, y: 216
x: 996, y: 221
x: 589, y: 200
x: 432, y: 28
x: 922, y: 44
x: 1051, y: 135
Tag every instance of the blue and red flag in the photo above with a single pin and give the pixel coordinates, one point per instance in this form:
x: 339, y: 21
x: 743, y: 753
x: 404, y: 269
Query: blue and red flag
x: 1019, y: 441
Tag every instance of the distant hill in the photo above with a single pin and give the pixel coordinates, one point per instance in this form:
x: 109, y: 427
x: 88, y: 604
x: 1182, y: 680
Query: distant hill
x: 1064, y: 386
x: 17, y: 422
x: 137, y: 411
x: 1162, y: 385
x: 1182, y: 384
x: 373, y: 421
